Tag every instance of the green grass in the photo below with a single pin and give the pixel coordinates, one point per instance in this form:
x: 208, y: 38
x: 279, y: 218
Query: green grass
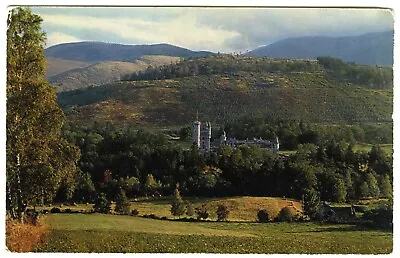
x: 387, y: 148
x: 112, y: 233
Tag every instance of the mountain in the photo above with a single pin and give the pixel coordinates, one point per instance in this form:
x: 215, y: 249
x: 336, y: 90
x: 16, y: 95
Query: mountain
x: 104, y: 72
x: 370, y: 49
x: 100, y: 51
x: 226, y: 87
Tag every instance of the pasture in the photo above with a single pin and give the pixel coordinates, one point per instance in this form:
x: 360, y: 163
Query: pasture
x: 117, y: 233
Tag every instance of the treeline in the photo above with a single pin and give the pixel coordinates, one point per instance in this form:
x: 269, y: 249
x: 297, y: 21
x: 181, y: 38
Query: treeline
x: 222, y: 64
x: 292, y: 132
x: 370, y: 76
x: 141, y: 163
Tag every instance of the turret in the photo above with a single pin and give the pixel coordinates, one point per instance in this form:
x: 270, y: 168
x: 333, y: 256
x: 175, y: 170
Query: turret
x: 196, y: 133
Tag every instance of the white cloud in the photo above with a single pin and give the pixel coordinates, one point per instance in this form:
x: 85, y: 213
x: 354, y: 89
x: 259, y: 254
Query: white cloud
x: 54, y: 38
x: 215, y: 29
x: 182, y: 31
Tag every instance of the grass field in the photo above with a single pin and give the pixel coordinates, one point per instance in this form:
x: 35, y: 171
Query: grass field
x: 242, y: 209
x: 113, y: 233
x: 387, y: 148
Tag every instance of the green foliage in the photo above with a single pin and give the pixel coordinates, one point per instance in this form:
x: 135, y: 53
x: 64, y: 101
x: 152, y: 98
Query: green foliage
x: 385, y: 187
x: 381, y: 217
x: 177, y: 206
x: 372, y: 185
x: 371, y: 76
x: 311, y: 203
x: 202, y: 212
x: 84, y: 187
x: 263, y: 216
x: 122, y: 204
x: 222, y: 213
x: 102, y: 204
x: 189, y: 209
x: 38, y: 159
x: 151, y: 184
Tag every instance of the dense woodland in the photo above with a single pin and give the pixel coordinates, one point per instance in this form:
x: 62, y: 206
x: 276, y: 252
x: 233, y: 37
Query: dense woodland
x: 143, y: 163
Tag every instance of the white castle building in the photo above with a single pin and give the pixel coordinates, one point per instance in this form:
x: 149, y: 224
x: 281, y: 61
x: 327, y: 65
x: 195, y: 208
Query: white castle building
x: 202, y: 138
x: 202, y: 135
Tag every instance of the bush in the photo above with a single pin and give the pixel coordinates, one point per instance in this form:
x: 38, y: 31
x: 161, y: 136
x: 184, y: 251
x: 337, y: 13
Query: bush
x: 288, y: 213
x: 177, y: 206
x: 102, y: 204
x: 122, y: 204
x: 55, y: 210
x: 222, y: 213
x: 134, y: 212
x: 381, y: 217
x: 263, y: 216
x: 189, y: 209
x: 68, y: 210
x: 202, y: 212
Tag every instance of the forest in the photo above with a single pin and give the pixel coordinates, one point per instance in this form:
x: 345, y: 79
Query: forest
x: 143, y: 163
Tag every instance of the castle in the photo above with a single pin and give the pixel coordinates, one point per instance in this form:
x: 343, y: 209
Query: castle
x: 202, y: 138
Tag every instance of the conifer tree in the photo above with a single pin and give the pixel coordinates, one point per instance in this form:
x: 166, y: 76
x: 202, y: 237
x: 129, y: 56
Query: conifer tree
x: 177, y: 206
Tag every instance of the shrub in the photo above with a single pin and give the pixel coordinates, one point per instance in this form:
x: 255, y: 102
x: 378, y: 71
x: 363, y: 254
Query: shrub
x: 102, y: 204
x: 177, y: 206
x: 23, y: 237
x: 68, y: 210
x: 263, y: 216
x: 55, y: 210
x: 202, y: 212
x: 381, y: 217
x: 222, y: 213
x: 189, y: 209
x: 134, y: 212
x: 122, y: 204
x: 288, y: 213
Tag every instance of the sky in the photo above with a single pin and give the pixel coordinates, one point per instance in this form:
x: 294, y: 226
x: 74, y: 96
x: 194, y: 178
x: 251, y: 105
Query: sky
x: 215, y: 29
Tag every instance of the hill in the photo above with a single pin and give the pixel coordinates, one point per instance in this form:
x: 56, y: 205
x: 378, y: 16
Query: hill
x: 233, y: 87
x: 369, y: 49
x: 100, y: 51
x: 56, y: 65
x: 105, y: 72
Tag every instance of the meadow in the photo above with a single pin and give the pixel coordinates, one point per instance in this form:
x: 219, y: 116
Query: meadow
x: 93, y: 232
x: 128, y: 234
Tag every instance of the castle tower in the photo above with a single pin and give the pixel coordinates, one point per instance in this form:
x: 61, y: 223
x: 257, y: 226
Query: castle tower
x: 222, y: 140
x: 275, y: 146
x: 196, y: 133
x: 205, y: 137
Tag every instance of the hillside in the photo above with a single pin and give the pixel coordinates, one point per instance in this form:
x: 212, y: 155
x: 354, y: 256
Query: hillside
x: 297, y: 90
x: 100, y: 51
x: 105, y: 72
x: 370, y: 49
x: 56, y: 65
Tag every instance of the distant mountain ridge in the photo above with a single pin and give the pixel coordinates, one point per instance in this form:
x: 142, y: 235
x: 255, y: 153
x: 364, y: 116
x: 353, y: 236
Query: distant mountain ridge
x: 369, y: 49
x: 100, y: 51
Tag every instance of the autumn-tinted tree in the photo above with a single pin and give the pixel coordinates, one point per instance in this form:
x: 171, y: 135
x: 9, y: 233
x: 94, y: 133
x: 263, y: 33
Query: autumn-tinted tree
x: 38, y: 159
